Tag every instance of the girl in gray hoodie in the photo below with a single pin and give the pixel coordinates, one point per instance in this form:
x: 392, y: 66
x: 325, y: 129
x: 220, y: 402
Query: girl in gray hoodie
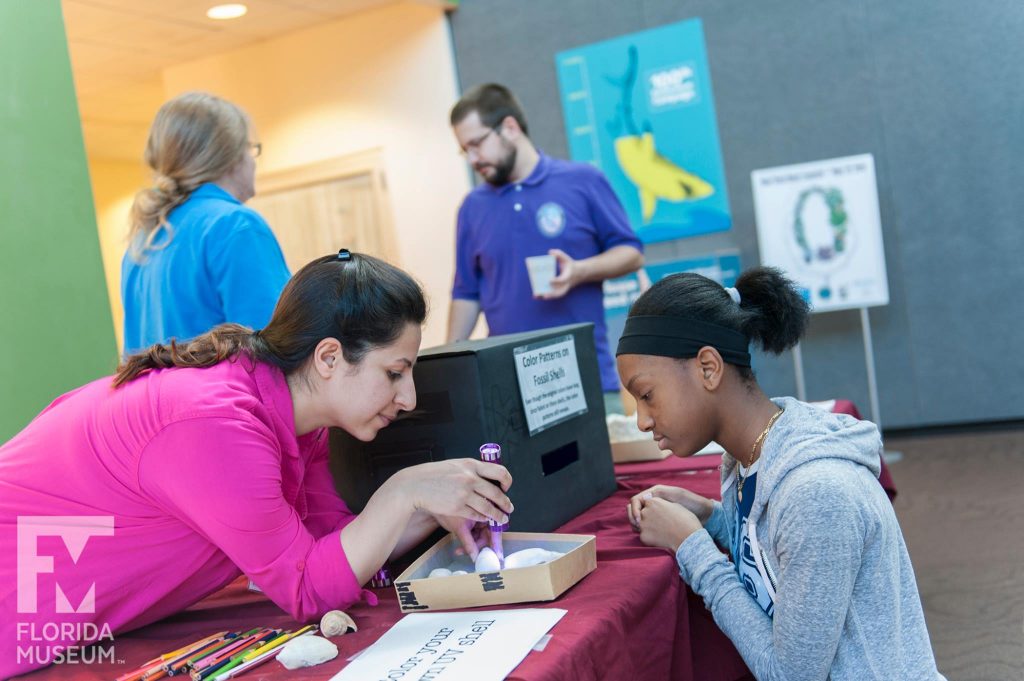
x: 820, y: 585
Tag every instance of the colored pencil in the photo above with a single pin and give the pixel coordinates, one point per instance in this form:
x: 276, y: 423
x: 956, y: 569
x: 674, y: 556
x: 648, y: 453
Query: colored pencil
x: 177, y: 664
x: 232, y: 660
x: 227, y: 648
x: 151, y: 666
x: 280, y: 640
x: 230, y: 673
x: 234, y: 649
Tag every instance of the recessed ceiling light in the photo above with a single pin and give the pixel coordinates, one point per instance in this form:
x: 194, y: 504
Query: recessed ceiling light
x: 232, y: 11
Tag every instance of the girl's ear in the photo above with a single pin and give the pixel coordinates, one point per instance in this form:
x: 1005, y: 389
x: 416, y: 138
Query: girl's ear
x: 711, y: 367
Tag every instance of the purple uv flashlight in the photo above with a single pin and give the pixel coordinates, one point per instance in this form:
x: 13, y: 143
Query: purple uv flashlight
x: 381, y: 579
x: 491, y: 452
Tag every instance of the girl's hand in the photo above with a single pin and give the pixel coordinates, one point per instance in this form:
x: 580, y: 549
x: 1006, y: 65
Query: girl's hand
x: 665, y: 524
x: 695, y: 503
x: 458, y: 487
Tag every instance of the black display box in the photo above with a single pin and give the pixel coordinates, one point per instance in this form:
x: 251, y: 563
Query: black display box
x: 468, y: 394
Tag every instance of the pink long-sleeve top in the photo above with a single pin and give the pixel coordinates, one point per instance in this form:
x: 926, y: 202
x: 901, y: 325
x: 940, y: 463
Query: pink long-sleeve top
x: 177, y: 482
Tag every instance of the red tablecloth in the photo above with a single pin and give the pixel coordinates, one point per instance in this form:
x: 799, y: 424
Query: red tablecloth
x: 632, y: 618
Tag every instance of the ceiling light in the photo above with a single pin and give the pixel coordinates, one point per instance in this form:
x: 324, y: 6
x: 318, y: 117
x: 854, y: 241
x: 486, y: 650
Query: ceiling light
x: 232, y: 11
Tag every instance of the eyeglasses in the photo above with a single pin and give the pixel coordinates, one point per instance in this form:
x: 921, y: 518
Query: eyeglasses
x: 474, y: 145
x: 255, y: 148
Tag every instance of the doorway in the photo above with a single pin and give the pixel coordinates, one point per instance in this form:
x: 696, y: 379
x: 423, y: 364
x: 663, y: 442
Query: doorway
x: 318, y: 208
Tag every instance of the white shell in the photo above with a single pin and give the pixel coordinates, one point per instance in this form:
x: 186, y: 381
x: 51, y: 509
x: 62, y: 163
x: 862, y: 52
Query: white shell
x: 306, y: 651
x: 487, y: 560
x: 440, y: 572
x: 336, y: 623
x: 528, y: 557
x: 459, y: 572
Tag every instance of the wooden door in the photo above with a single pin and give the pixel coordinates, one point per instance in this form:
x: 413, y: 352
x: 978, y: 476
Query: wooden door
x: 315, y: 210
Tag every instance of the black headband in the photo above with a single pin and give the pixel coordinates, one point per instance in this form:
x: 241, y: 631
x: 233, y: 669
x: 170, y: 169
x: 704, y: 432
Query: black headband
x: 681, y: 338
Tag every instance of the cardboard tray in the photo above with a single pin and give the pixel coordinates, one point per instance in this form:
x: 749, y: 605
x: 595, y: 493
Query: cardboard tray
x: 638, y: 450
x: 417, y: 592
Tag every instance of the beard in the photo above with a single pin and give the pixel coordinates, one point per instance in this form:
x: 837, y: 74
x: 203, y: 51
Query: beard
x: 503, y: 168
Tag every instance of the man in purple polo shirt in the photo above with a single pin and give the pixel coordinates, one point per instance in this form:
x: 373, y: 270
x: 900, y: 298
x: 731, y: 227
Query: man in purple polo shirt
x: 530, y: 205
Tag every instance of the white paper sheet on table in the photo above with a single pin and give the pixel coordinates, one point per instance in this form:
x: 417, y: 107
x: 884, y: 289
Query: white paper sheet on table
x: 825, y: 405
x: 453, y: 646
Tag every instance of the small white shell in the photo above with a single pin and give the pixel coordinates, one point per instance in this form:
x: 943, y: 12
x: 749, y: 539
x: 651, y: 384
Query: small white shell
x: 306, y: 651
x: 440, y: 572
x: 487, y: 560
x: 337, y: 623
x: 459, y: 572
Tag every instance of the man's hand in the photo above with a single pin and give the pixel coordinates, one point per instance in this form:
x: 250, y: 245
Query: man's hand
x: 569, y: 275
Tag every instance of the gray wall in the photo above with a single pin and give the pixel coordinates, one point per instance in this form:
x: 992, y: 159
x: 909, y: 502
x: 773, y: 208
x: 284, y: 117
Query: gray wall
x: 932, y: 88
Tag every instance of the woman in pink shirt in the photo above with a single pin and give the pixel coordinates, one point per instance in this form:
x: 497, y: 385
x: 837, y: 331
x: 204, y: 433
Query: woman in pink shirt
x: 128, y: 500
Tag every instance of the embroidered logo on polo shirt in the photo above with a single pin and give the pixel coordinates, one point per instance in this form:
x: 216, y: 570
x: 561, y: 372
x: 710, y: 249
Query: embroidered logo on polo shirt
x: 551, y: 219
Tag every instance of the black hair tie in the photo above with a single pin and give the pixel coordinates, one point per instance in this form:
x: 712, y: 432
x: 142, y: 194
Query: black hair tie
x: 344, y: 255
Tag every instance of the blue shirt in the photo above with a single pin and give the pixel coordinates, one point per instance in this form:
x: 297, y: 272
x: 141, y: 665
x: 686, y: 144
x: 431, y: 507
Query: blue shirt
x: 221, y: 263
x: 742, y: 555
x: 562, y: 205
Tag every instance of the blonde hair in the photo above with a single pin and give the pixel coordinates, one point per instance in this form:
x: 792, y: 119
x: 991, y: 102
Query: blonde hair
x: 196, y: 138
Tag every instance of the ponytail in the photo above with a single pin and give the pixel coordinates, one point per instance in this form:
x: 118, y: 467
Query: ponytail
x: 221, y: 343
x: 195, y: 138
x: 777, y: 314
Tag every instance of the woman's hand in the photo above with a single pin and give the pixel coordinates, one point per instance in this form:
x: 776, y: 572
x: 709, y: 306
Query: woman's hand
x: 695, y: 503
x: 458, y: 487
x: 456, y: 494
x: 472, y: 536
x: 665, y: 524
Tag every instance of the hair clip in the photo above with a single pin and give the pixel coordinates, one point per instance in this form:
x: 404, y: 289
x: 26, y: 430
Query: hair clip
x: 344, y: 255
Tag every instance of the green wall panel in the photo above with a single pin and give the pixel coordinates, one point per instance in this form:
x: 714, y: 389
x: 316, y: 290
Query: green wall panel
x: 55, y: 327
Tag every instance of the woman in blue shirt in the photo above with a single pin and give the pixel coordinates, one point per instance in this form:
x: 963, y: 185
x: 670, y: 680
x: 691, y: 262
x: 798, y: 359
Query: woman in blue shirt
x: 197, y: 257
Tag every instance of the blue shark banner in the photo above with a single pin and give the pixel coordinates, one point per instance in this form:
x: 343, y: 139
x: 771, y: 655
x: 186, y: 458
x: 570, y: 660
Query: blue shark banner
x: 640, y: 108
x: 619, y: 294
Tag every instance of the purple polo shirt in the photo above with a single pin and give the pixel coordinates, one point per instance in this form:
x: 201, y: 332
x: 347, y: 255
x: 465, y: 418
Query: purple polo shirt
x: 562, y: 205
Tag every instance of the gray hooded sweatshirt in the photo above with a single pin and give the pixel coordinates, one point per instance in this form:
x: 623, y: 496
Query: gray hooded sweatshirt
x: 829, y: 551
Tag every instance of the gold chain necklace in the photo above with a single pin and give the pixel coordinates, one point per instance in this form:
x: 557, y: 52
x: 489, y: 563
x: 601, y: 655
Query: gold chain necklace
x: 753, y: 450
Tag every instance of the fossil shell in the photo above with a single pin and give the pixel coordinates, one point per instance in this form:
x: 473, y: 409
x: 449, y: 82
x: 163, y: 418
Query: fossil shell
x: 528, y: 557
x: 307, y: 651
x: 487, y: 560
x: 337, y: 623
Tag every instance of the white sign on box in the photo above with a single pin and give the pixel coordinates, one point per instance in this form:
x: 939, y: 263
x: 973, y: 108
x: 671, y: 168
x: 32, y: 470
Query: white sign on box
x: 549, y: 380
x: 819, y: 222
x: 453, y: 646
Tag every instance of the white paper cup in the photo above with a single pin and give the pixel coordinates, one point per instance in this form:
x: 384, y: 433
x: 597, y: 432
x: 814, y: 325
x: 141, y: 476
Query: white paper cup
x: 542, y: 271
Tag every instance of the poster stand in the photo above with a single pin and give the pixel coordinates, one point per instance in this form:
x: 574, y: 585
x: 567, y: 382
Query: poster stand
x: 869, y: 360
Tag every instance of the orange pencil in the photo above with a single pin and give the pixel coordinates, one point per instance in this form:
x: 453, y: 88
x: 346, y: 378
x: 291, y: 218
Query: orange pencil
x: 151, y: 666
x: 217, y: 655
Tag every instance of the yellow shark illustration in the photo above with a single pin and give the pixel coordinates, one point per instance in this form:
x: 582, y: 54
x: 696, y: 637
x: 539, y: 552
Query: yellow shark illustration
x: 655, y: 176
